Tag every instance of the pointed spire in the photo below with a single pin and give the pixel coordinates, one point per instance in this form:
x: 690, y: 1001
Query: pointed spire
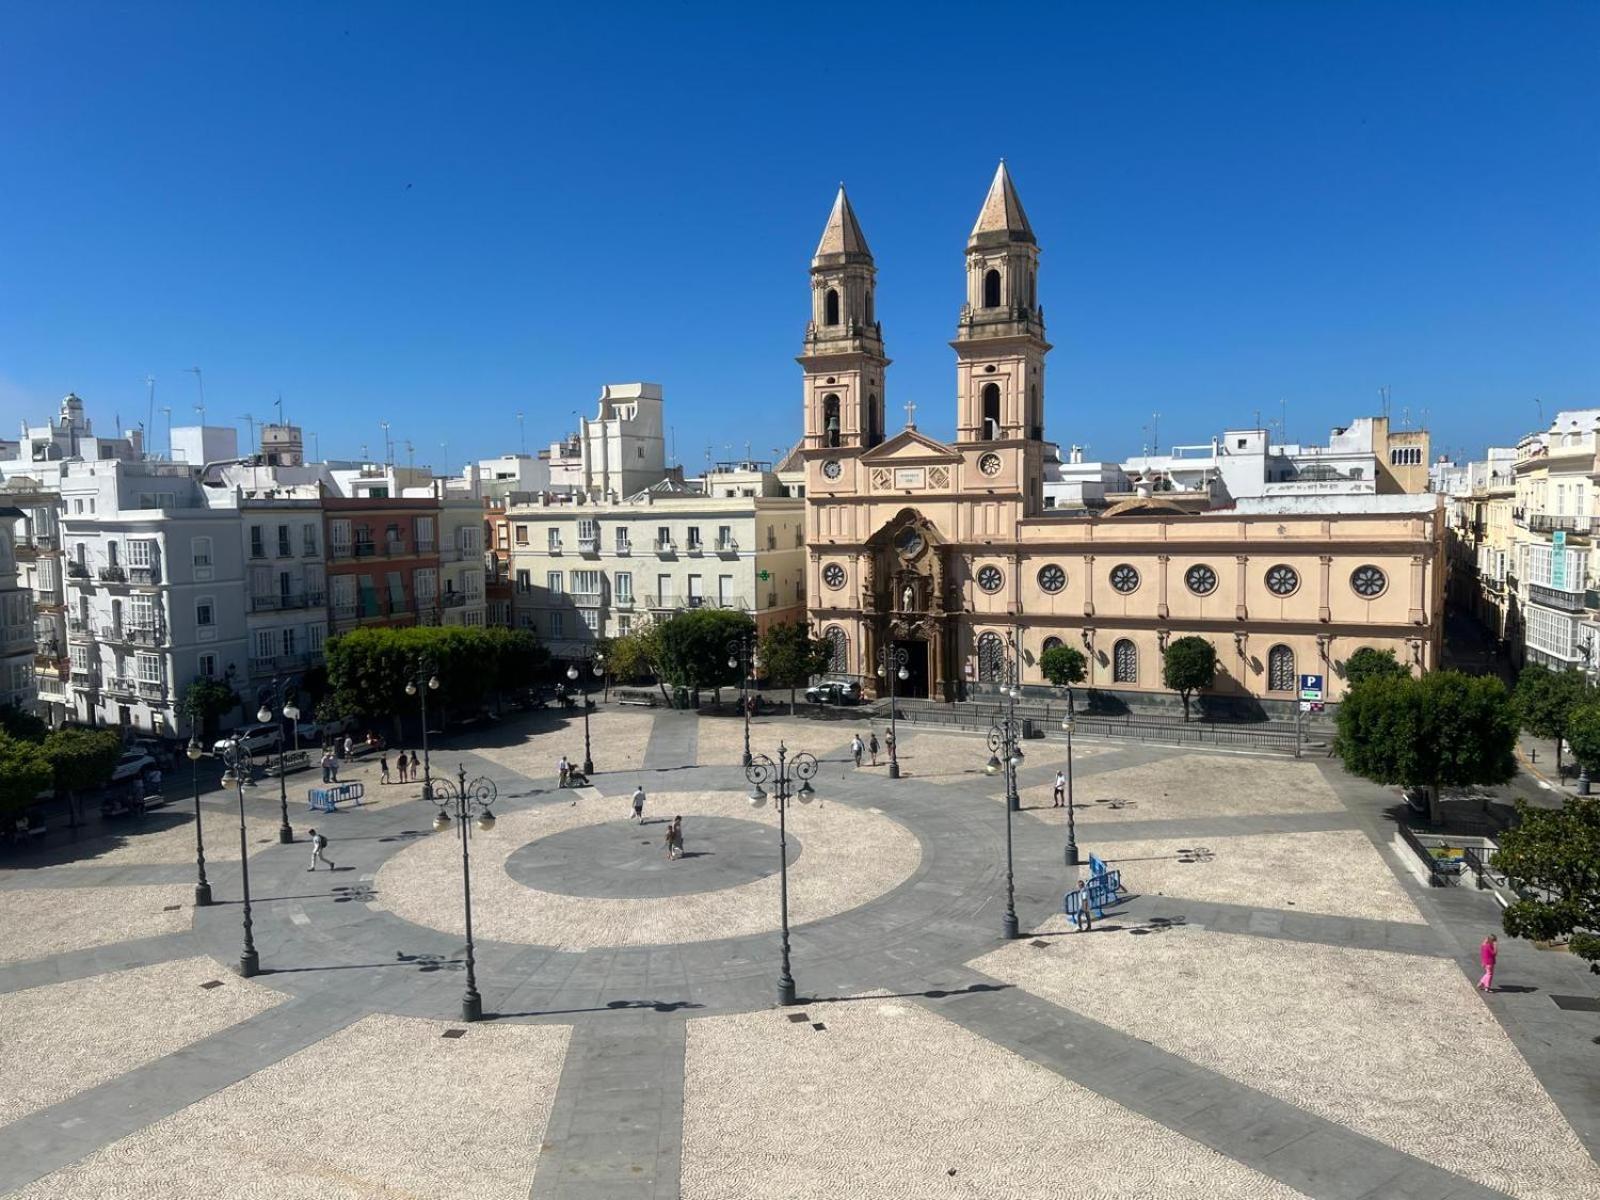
x: 842, y: 234
x: 1002, y: 213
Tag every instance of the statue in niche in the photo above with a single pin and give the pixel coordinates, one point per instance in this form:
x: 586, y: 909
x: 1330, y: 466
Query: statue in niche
x: 908, y: 598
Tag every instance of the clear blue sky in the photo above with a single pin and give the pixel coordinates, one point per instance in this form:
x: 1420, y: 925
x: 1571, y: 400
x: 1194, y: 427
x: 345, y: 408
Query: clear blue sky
x: 439, y: 214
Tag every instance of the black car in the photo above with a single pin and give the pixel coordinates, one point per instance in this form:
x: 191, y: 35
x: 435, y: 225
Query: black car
x: 834, y: 691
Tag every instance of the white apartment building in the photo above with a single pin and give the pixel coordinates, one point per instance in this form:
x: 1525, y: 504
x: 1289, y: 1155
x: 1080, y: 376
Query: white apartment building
x: 16, y: 623
x: 616, y: 452
x: 585, y: 569
x: 462, y: 567
x: 155, y: 591
x: 36, y: 553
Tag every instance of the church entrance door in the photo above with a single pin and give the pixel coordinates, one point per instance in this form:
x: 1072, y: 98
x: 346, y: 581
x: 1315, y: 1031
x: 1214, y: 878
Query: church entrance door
x: 916, y: 687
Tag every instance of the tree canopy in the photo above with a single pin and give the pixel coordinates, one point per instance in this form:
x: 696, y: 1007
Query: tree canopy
x: 1583, y: 734
x: 82, y: 758
x: 24, y: 773
x: 1556, y: 852
x: 1367, y: 663
x: 1546, y: 699
x: 1444, y: 729
x: 204, y: 701
x: 790, y: 655
x: 693, y: 647
x: 368, y: 669
x: 1189, y: 665
x: 1063, y: 665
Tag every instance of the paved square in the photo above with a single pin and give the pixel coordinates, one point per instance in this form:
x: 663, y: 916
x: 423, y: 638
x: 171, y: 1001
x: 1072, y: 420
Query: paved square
x: 1278, y: 1010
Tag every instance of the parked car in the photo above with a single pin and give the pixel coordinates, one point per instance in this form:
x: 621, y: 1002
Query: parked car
x: 163, y: 752
x: 133, y: 764
x: 834, y: 691
x: 256, y: 739
x: 313, y: 733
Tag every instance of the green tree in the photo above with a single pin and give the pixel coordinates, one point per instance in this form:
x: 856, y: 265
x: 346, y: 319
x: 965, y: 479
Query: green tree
x: 1367, y: 663
x: 517, y: 659
x: 1583, y: 734
x: 1555, y: 853
x: 1064, y: 666
x: 1189, y: 665
x: 693, y: 650
x: 790, y: 656
x: 22, y: 724
x: 24, y: 773
x: 1444, y: 729
x: 1545, y: 700
x: 82, y: 759
x: 628, y: 657
x: 204, y: 701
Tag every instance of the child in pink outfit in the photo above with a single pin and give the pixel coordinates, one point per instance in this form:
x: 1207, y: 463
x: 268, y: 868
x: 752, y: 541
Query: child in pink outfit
x: 1487, y: 953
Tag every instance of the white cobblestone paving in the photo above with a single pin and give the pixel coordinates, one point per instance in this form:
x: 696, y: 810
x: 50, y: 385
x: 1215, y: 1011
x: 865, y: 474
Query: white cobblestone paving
x: 949, y: 756
x: 892, y: 1101
x: 38, y: 922
x: 721, y: 739
x: 174, y: 843
x: 848, y: 857
x: 1393, y: 1046
x: 1336, y: 873
x: 384, y: 1110
x: 617, y: 739
x: 1192, y: 786
x: 65, y: 1038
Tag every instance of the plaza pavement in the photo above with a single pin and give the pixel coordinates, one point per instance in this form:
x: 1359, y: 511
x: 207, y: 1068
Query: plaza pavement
x: 1278, y: 1011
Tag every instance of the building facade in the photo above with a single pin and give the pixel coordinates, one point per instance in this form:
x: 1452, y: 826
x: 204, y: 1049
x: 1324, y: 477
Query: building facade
x: 17, y: 687
x: 383, y: 560
x: 947, y: 552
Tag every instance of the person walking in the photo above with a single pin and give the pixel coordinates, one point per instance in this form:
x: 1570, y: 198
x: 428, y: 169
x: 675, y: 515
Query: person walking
x: 1060, y: 797
x: 638, y: 803
x: 564, y: 771
x: 383, y: 768
x: 672, y: 840
x: 349, y: 747
x: 1488, y: 953
x: 677, y: 835
x: 327, y: 772
x: 400, y: 765
x: 333, y: 768
x: 888, y: 743
x: 857, y: 748
x: 872, y: 746
x: 318, y: 845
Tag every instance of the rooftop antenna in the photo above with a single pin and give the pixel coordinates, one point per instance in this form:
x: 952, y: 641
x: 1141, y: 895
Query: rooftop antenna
x: 1155, y: 431
x: 444, y: 449
x: 1383, y: 400
x: 1405, y: 417
x: 280, y: 408
x: 409, y: 453
x: 363, y: 452
x: 1540, y: 403
x: 150, y: 383
x: 388, y: 446
x: 1283, y: 418
x: 199, y: 382
x: 522, y: 433
x: 673, y: 430
x: 167, y: 411
x: 252, y: 421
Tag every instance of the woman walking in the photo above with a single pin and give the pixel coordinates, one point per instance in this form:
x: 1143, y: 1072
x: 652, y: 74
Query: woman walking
x: 872, y: 746
x: 1487, y: 954
x: 403, y: 764
x: 383, y: 768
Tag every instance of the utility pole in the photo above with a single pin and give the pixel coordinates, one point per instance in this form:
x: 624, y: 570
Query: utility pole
x: 1155, y: 432
x: 522, y: 434
x: 200, y: 383
x: 252, y: 425
x: 388, y: 446
x: 150, y: 382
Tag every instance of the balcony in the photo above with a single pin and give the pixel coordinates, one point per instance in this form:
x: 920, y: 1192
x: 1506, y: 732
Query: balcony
x: 666, y: 546
x: 623, y: 603
x: 727, y: 545
x: 588, y: 599
x: 624, y: 549
x: 453, y: 599
x: 85, y: 681
x: 1547, y: 523
x: 113, y: 575
x: 285, y: 662
x: 420, y: 546
x: 341, y: 550
x: 51, y: 689
x: 78, y: 571
x: 588, y: 545
x: 122, y: 688
x: 671, y: 603
x: 554, y: 547
x: 79, y: 625
x: 33, y: 547
x: 138, y: 635
x: 1556, y: 598
x: 665, y: 602
x: 156, y: 693
x: 282, y: 603
x: 696, y: 546
x: 144, y: 576
x: 365, y: 549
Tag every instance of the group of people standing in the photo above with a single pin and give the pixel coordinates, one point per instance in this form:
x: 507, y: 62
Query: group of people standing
x: 869, y: 749
x: 407, y: 765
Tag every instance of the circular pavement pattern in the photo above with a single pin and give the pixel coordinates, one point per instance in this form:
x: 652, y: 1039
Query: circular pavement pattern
x: 625, y: 859
x: 852, y: 856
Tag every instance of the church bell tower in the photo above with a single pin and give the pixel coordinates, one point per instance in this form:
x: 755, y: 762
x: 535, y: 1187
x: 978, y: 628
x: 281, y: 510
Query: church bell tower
x: 843, y: 358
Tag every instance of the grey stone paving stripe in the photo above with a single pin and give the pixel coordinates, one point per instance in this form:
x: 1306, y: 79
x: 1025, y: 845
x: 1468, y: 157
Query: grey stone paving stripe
x: 57, y: 1136
x: 1318, y: 928
x: 1112, y: 830
x: 674, y: 742
x: 1314, y: 1156
x: 97, y: 960
x: 92, y: 875
x: 616, y: 1125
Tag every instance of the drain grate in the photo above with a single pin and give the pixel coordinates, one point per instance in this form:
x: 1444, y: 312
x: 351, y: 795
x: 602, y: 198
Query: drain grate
x: 799, y: 1018
x: 1577, y: 1003
x: 212, y: 983
x: 454, y: 1033
x: 171, y: 908
x: 819, y: 1026
x: 1041, y: 943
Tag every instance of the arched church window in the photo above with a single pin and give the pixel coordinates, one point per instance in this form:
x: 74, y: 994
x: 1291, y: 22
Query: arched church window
x: 870, y: 316
x: 830, y: 307
x: 991, y: 411
x: 1280, y: 669
x: 840, y: 641
x: 874, y: 420
x: 1035, y: 417
x: 1125, y: 662
x: 991, y: 658
x: 830, y: 419
x: 991, y: 289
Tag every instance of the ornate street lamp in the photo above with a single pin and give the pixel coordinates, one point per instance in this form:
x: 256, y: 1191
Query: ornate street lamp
x: 275, y: 692
x: 202, y: 887
x: 742, y: 656
x: 1072, y: 832
x: 460, y: 803
x: 782, y: 776
x: 424, y: 682
x: 239, y: 767
x: 1005, y: 752
x: 599, y: 668
x: 892, y: 662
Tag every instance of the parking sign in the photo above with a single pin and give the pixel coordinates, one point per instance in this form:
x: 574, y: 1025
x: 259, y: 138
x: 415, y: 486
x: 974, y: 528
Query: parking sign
x: 1311, y: 687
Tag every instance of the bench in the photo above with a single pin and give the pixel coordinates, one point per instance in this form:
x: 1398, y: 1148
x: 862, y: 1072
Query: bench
x: 326, y: 799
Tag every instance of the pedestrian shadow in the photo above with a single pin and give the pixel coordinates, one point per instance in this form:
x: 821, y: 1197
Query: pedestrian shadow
x: 972, y: 989
x: 1513, y: 987
x: 660, y: 1006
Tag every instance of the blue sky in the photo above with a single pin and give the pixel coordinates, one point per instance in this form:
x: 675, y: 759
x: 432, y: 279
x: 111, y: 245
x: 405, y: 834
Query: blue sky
x: 441, y: 214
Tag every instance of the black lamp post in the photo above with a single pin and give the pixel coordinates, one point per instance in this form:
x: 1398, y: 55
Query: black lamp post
x: 1005, y: 751
x: 742, y: 655
x: 459, y: 803
x: 237, y: 760
x: 892, y: 662
x: 782, y: 775
x: 1072, y: 829
x: 272, y: 697
x: 599, y: 668
x: 202, y: 887
x: 426, y: 681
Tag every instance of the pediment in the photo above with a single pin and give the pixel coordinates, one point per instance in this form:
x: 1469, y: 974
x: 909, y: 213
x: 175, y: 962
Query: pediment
x: 910, y: 446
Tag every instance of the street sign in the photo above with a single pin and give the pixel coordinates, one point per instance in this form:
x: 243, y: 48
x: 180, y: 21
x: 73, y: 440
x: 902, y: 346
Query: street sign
x: 763, y: 575
x: 1311, y: 687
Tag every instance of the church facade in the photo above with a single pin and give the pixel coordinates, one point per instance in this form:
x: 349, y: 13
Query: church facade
x: 945, y: 556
